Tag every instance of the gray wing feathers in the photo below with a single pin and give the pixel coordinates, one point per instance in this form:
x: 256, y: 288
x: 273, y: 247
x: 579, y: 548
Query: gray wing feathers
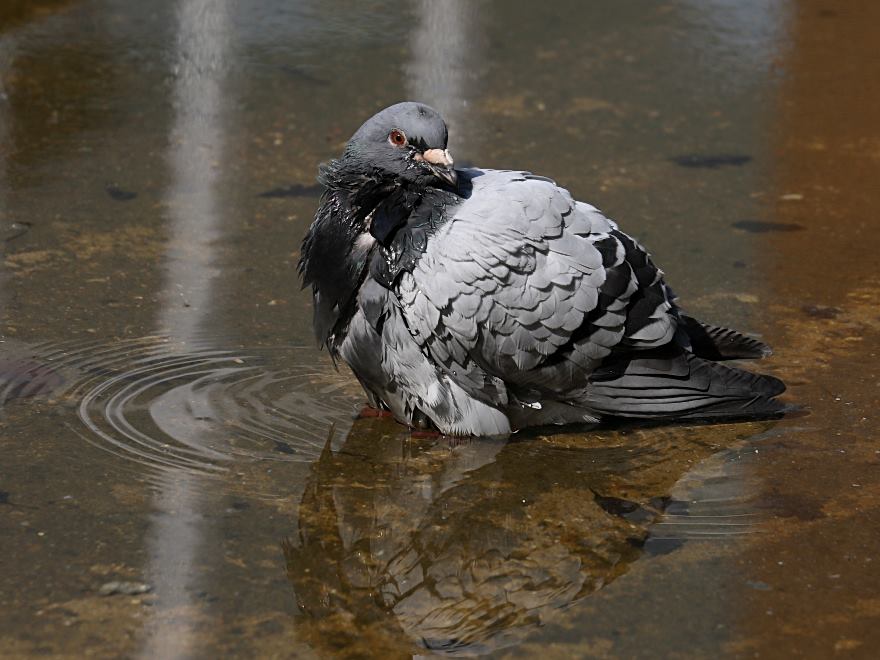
x: 523, y: 296
x: 512, y: 278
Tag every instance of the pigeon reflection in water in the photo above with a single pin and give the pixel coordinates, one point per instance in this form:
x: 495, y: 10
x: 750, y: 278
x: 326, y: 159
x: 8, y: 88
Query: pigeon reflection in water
x: 407, y: 544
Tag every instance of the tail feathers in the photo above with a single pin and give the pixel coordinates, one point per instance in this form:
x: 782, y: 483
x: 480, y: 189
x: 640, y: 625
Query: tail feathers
x: 682, y: 386
x: 716, y: 343
x: 755, y: 408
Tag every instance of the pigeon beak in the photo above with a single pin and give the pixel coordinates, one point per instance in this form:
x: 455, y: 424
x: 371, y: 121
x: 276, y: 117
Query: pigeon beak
x: 440, y: 162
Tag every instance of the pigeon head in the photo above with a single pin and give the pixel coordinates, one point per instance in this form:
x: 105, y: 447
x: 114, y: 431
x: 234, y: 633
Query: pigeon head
x: 406, y: 141
x: 388, y: 167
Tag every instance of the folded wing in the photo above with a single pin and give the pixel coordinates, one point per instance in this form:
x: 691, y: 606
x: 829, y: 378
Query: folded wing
x: 526, y: 294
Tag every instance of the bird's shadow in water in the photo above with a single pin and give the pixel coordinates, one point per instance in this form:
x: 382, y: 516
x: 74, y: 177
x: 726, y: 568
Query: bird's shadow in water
x: 463, y: 547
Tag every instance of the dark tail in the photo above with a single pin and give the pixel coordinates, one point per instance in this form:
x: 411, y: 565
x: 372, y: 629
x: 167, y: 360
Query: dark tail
x: 673, y: 383
x: 716, y: 343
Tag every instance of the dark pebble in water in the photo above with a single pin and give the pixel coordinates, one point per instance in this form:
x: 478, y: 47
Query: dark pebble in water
x: 4, y: 497
x: 119, y: 194
x: 821, y: 311
x: 761, y: 227
x: 631, y: 511
x: 294, y: 190
x: 710, y: 161
x: 615, y: 506
x: 12, y: 230
x: 284, y: 448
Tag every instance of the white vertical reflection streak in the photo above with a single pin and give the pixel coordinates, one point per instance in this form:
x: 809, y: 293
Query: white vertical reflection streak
x: 441, y: 73
x: 178, y: 530
x: 443, y: 63
x: 6, y: 58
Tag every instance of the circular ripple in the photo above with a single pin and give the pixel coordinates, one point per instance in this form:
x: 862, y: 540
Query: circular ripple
x: 201, y: 409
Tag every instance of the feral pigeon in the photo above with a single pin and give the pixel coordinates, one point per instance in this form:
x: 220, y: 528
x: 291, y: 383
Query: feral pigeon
x: 479, y: 302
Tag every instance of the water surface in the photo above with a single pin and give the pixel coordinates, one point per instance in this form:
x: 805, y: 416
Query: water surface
x: 184, y: 474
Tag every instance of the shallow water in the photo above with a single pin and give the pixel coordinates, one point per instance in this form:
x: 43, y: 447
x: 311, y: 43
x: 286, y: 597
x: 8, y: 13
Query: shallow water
x: 183, y: 474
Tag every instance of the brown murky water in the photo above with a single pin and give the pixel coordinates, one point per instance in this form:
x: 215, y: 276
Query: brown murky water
x: 182, y: 474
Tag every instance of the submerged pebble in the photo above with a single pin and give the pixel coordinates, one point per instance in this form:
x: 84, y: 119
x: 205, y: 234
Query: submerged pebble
x: 821, y: 311
x: 9, y: 231
x: 120, y: 194
x: 125, y: 588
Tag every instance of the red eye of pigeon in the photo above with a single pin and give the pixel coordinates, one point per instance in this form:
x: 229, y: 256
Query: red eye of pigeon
x: 397, y: 138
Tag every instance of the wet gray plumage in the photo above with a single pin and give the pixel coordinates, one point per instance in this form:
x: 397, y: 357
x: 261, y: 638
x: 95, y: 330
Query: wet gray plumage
x: 484, y: 301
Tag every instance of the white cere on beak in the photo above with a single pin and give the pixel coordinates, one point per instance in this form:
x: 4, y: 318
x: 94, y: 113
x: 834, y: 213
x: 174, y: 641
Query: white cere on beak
x: 440, y: 157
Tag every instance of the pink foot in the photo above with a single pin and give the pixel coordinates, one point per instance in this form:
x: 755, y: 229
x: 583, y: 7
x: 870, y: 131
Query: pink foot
x: 367, y: 413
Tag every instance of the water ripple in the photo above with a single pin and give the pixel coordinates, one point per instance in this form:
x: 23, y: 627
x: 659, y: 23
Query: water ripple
x: 201, y: 408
